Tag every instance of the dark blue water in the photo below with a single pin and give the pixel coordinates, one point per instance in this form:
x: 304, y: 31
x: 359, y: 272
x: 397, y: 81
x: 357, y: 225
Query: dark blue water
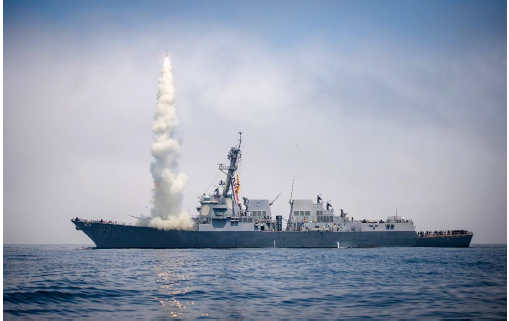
x: 71, y: 281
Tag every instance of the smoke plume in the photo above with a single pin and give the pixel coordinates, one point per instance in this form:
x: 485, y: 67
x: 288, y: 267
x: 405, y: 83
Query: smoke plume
x: 169, y: 182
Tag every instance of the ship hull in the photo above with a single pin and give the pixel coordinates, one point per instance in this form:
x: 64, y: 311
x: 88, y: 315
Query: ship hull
x: 126, y: 236
x: 445, y: 241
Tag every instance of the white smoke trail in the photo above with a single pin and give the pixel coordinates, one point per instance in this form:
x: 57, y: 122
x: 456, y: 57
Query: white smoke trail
x: 169, y: 182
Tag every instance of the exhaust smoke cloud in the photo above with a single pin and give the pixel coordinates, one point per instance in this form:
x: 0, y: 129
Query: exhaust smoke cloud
x: 169, y: 182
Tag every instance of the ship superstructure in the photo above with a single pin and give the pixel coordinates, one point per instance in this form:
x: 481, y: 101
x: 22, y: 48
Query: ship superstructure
x: 224, y: 221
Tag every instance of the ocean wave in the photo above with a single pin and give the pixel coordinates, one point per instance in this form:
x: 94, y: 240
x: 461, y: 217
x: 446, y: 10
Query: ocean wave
x: 67, y: 282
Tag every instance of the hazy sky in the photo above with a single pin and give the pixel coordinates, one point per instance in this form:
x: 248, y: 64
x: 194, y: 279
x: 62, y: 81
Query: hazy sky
x: 377, y: 105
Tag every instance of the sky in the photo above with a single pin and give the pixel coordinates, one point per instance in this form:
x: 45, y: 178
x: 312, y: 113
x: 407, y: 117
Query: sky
x: 376, y: 105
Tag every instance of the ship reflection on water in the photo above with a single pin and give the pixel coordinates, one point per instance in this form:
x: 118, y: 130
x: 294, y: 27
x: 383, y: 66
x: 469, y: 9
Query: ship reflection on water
x: 174, y: 281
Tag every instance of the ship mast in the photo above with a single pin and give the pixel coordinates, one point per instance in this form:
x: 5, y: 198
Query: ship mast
x: 288, y: 223
x: 233, y: 156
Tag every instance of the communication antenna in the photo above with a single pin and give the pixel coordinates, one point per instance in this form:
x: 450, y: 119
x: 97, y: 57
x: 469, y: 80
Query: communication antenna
x: 291, y: 194
x: 270, y: 204
x: 240, y: 139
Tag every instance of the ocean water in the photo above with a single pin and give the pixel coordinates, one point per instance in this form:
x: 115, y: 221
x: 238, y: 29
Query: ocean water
x: 71, y: 281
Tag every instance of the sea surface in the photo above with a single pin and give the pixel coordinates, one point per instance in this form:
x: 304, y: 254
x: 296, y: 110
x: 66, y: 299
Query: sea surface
x: 73, y: 281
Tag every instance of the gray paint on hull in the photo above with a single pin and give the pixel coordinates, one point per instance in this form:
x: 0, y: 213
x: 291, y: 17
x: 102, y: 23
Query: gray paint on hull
x: 445, y: 241
x: 125, y: 236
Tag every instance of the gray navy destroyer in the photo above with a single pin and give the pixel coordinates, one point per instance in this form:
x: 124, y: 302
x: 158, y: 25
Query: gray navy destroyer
x: 225, y: 222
